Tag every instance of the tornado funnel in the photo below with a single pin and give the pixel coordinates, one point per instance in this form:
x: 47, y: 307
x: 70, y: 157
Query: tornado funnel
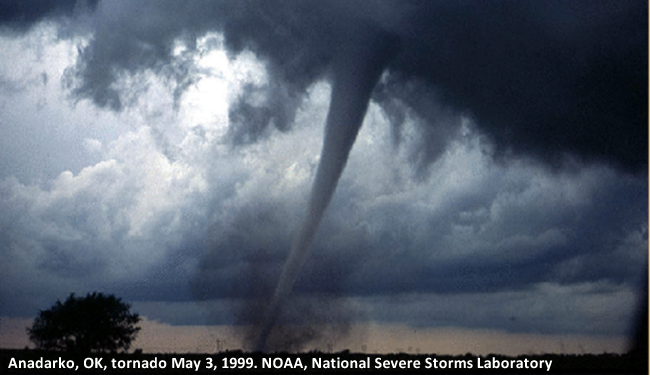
x: 359, y: 64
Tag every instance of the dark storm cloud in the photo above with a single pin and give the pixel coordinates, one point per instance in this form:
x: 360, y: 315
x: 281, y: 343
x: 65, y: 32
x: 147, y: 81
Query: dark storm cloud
x: 436, y: 122
x: 542, y: 79
x: 22, y: 14
x: 249, y: 121
x: 244, y: 255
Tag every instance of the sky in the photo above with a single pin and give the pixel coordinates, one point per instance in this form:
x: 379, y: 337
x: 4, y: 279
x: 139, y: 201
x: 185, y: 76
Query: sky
x: 165, y: 151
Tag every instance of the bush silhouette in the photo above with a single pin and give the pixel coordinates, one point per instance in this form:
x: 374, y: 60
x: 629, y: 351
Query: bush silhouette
x: 95, y: 323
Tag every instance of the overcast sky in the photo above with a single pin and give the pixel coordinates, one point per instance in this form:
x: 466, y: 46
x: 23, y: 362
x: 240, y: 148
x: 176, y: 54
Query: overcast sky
x: 164, y: 151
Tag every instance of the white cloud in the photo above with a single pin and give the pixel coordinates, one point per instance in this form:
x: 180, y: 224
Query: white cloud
x: 92, y: 145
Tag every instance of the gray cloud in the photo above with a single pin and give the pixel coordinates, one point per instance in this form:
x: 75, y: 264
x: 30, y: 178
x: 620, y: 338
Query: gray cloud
x: 539, y: 80
x: 22, y: 15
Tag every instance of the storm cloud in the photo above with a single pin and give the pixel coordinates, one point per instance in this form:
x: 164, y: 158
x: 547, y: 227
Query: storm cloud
x: 545, y: 80
x: 502, y: 159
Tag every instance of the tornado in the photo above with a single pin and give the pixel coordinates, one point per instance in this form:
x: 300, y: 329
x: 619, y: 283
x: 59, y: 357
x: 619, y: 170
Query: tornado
x: 359, y: 64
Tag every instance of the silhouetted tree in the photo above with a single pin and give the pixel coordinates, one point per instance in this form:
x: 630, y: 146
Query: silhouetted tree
x: 95, y: 323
